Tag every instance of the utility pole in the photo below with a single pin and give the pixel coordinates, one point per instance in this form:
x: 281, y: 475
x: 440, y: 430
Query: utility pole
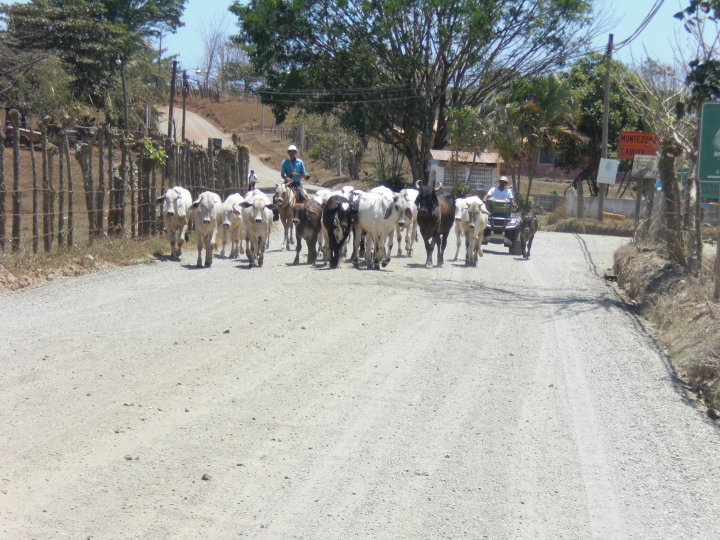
x: 184, y: 96
x: 172, y: 100
x: 262, y: 118
x: 602, y: 188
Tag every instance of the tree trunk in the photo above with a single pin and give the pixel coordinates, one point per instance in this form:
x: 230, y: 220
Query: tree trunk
x: 671, y: 205
x: 15, y: 120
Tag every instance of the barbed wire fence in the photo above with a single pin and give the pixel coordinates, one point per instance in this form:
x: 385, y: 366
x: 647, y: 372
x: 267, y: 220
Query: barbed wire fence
x: 66, y: 189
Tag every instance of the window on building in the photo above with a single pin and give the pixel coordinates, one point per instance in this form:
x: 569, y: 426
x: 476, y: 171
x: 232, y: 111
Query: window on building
x: 546, y: 158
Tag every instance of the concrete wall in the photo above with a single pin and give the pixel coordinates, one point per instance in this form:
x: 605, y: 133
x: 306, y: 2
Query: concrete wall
x: 626, y: 207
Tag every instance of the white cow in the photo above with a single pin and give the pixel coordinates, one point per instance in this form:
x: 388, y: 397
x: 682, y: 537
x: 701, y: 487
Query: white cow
x: 231, y: 223
x: 378, y: 214
x: 175, y: 205
x: 205, y: 212
x: 257, y: 216
x: 474, y: 218
x: 410, y: 195
x: 460, y: 205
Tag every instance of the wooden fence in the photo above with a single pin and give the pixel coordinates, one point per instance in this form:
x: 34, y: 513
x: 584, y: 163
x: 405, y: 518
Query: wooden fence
x: 107, y: 185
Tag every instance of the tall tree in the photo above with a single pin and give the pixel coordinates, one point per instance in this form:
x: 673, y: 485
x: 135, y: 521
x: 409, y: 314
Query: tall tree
x: 395, y: 66
x: 586, y: 79
x: 89, y: 36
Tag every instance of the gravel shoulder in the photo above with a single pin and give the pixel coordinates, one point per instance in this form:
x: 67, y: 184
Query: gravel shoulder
x: 516, y: 399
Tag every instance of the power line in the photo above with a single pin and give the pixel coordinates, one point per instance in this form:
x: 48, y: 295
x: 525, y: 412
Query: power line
x: 649, y: 17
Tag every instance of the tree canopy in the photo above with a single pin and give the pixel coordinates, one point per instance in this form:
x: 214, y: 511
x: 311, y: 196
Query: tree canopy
x: 394, y: 67
x: 90, y: 37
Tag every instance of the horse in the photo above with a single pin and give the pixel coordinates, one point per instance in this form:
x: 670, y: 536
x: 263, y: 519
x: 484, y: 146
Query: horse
x: 285, y: 198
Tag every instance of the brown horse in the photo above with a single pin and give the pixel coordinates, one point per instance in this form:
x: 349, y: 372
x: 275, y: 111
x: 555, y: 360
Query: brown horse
x: 285, y: 199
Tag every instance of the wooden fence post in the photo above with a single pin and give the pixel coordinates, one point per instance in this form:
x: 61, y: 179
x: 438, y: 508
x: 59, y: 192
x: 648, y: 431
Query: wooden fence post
x: 35, y: 228
x: 100, y: 194
x: 83, y: 154
x: 133, y: 195
x: 61, y: 187
x: 47, y: 235
x: 15, y: 120
x: 66, y: 151
x: 3, y: 192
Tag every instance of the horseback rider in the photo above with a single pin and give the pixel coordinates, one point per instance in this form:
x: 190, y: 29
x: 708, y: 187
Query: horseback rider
x: 293, y: 172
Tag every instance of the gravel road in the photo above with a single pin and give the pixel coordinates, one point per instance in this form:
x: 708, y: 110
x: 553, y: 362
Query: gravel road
x: 513, y: 400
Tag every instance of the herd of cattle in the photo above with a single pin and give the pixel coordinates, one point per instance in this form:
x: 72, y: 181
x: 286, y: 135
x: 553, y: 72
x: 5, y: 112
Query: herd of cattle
x: 325, y: 222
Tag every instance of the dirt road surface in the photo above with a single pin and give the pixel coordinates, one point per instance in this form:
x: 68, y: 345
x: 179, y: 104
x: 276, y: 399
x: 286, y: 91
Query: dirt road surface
x: 518, y: 399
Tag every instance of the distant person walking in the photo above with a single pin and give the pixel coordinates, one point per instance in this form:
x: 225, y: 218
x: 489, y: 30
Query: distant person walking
x: 292, y: 172
x: 252, y: 180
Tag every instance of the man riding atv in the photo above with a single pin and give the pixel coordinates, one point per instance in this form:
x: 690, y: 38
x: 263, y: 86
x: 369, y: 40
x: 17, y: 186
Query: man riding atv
x: 503, y: 225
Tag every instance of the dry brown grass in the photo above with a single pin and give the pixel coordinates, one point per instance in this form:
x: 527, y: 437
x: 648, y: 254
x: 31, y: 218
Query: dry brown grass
x: 23, y: 269
x: 554, y: 222
x: 686, y: 318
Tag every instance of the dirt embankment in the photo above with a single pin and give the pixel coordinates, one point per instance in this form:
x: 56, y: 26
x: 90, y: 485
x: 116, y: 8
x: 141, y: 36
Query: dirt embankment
x: 685, y: 318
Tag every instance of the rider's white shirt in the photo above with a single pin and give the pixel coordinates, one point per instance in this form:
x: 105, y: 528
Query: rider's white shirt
x: 500, y: 195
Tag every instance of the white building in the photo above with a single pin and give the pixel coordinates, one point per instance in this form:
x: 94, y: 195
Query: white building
x: 451, y: 167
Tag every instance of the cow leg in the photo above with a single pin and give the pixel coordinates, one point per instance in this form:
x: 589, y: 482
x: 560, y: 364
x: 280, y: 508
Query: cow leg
x: 356, y: 246
x: 261, y: 251
x: 209, y: 248
x: 298, y: 246
x: 458, y: 234
x: 312, y: 247
x: 429, y: 246
x: 250, y: 250
x: 286, y: 239
x: 199, y: 248
x: 181, y: 239
x: 399, y: 239
x: 468, y: 251
x: 529, y: 246
x: 410, y: 234
x: 442, y: 242
x: 224, y: 240
x: 172, y: 235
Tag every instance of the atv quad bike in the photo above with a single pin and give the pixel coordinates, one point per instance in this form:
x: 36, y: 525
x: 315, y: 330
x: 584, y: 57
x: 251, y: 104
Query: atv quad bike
x: 503, y: 226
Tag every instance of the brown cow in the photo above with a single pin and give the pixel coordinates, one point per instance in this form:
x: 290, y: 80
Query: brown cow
x: 435, y: 217
x: 306, y: 219
x: 284, y: 198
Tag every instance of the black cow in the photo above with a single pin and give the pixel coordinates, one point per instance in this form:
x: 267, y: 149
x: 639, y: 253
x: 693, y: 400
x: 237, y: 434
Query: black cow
x: 528, y: 228
x: 338, y: 220
x: 306, y: 217
x: 435, y: 217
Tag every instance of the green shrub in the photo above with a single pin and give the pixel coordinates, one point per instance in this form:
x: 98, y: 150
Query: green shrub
x: 459, y: 190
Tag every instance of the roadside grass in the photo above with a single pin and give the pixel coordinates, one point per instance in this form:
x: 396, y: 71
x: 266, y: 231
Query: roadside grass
x: 685, y: 317
x: 557, y: 222
x: 25, y: 268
